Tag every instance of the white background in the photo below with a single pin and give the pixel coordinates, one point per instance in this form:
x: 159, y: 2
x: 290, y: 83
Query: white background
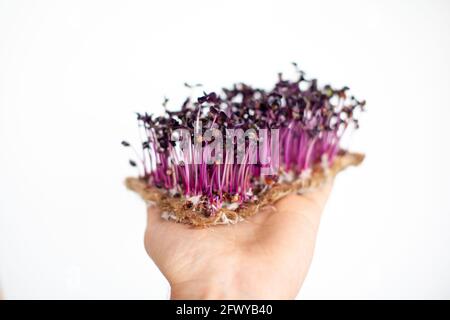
x: 73, y: 72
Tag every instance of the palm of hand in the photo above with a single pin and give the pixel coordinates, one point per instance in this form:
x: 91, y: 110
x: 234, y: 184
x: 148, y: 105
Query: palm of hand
x: 266, y: 256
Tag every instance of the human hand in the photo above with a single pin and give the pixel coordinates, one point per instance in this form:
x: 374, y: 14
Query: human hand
x: 265, y: 257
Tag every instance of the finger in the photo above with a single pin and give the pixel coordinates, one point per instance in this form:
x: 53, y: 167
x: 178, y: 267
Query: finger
x: 290, y: 232
x: 310, y: 203
x: 296, y: 220
x: 153, y: 215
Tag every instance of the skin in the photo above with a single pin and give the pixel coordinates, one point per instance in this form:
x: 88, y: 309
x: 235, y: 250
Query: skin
x: 265, y: 257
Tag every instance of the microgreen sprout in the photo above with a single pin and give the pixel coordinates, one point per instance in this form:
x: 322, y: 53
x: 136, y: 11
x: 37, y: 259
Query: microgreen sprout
x: 223, y: 149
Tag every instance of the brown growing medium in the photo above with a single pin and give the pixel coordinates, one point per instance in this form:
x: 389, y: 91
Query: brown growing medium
x: 193, y: 216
